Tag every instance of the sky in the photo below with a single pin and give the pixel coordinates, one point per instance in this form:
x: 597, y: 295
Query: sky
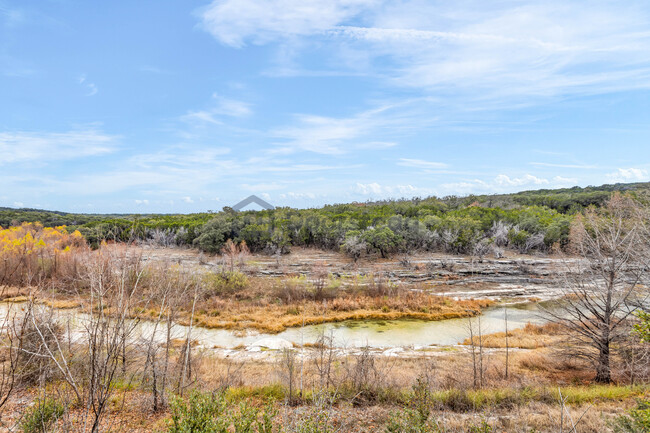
x: 187, y: 106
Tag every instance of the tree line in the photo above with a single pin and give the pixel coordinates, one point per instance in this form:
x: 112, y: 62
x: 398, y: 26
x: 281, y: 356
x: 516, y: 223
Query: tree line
x: 527, y: 221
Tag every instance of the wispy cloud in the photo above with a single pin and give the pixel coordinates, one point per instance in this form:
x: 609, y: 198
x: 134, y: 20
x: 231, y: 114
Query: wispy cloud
x: 219, y: 107
x: 339, y: 135
x: 506, y: 53
x: 91, y: 88
x: 237, y: 22
x: 41, y: 147
x: 420, y: 163
x: 577, y: 166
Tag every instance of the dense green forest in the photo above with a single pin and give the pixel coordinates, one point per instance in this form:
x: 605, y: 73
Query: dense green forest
x: 527, y: 221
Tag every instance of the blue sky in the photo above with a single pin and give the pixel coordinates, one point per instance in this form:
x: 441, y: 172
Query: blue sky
x: 183, y: 106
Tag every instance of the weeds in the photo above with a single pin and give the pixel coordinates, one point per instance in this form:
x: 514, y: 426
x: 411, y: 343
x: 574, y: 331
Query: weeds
x: 40, y: 417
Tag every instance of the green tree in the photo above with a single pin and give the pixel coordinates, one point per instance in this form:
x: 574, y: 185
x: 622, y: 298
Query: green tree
x: 382, y: 240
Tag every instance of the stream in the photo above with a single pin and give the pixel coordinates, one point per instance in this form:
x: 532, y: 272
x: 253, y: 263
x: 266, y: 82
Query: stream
x: 412, y: 334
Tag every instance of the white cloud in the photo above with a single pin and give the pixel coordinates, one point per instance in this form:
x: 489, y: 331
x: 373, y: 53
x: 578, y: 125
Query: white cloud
x: 19, y: 204
x: 236, y: 22
x: 527, y: 179
x: 142, y: 202
x: 565, y: 181
x: 628, y: 175
x: 490, y: 53
x: 187, y: 199
x: 578, y: 166
x: 375, y: 190
x: 503, y: 183
x: 368, y: 188
x: 420, y: 163
x: 43, y: 147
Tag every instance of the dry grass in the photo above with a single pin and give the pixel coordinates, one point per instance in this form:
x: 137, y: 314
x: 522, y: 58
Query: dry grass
x: 270, y: 317
x: 529, y: 337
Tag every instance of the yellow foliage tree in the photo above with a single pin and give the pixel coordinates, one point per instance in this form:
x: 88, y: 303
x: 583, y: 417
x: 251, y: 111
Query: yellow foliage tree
x: 31, y: 253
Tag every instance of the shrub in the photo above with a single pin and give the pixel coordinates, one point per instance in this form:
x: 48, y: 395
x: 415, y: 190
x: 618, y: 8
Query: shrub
x: 213, y: 235
x: 200, y: 413
x: 636, y: 421
x: 213, y: 413
x: 382, y: 240
x: 40, y: 417
x: 226, y: 282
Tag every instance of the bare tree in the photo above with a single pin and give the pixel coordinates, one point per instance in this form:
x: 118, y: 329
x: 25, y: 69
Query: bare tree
x: 234, y: 254
x: 11, y: 333
x: 603, y: 287
x: 99, y: 347
x: 288, y: 371
x: 324, y: 358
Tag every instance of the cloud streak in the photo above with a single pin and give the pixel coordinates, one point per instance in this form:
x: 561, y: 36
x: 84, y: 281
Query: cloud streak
x: 42, y: 147
x: 509, y: 52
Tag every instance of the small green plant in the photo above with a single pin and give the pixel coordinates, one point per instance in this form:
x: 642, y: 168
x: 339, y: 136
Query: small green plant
x: 635, y: 421
x: 642, y: 329
x: 40, y: 417
x: 417, y: 418
x: 266, y: 423
x: 482, y: 427
x: 214, y: 413
x: 199, y: 413
x: 315, y: 419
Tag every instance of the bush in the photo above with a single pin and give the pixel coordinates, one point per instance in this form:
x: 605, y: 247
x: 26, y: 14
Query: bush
x: 382, y: 240
x: 226, y: 282
x: 213, y: 413
x: 40, y: 417
x: 200, y: 413
x: 213, y: 235
x: 636, y: 421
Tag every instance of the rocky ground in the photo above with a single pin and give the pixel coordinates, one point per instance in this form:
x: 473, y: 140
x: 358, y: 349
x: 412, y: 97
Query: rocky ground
x: 513, y: 277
